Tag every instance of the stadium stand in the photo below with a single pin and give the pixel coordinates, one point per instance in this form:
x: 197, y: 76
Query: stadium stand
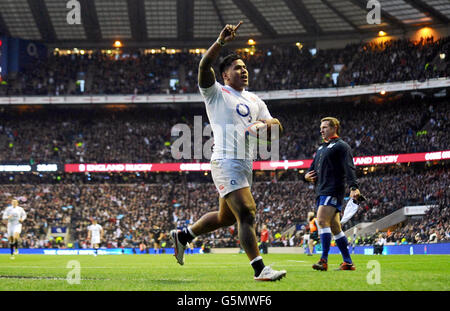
x: 140, y: 135
x: 277, y: 68
x: 129, y: 211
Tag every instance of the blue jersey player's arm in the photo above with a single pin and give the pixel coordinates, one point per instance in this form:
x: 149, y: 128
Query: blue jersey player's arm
x: 349, y: 167
x: 311, y: 175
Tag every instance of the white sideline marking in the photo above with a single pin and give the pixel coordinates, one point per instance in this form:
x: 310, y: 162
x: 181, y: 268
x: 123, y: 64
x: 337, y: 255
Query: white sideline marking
x: 15, y: 277
x: 296, y: 260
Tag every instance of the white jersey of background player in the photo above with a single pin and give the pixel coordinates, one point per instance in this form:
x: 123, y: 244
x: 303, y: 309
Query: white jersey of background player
x: 15, y: 216
x: 95, y: 234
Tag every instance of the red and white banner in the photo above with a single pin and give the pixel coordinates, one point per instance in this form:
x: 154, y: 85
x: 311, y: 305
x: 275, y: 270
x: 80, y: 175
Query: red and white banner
x: 136, y: 167
x: 257, y: 165
x: 402, y: 158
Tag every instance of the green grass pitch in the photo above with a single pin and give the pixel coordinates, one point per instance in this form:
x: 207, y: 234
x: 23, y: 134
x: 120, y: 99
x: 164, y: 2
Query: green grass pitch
x: 221, y: 272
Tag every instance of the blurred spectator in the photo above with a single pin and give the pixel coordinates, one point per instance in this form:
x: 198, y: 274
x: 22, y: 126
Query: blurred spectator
x: 264, y: 239
x: 379, y: 245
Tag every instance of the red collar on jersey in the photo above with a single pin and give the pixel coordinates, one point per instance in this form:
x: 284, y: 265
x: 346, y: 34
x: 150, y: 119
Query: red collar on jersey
x: 332, y: 137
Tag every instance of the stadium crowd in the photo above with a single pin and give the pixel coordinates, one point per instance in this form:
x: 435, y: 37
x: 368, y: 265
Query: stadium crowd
x: 104, y: 135
x: 276, y: 68
x: 135, y: 210
x: 406, y: 187
x: 132, y: 214
x: 433, y: 228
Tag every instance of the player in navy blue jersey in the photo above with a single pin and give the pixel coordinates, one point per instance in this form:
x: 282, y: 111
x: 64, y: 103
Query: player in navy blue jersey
x: 330, y: 171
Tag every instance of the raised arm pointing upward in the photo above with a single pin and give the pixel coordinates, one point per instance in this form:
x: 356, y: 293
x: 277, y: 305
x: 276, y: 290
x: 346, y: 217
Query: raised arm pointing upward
x: 206, y: 76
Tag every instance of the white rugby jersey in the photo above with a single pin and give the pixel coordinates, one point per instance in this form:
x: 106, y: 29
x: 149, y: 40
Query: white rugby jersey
x: 17, y: 214
x: 230, y: 112
x: 95, y: 230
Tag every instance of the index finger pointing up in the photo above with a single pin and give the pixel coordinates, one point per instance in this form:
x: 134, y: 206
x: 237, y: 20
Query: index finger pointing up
x: 238, y: 25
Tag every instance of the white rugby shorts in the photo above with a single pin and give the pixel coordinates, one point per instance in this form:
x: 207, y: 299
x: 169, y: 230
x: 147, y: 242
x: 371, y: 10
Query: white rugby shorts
x: 95, y: 240
x: 231, y: 174
x: 14, y: 228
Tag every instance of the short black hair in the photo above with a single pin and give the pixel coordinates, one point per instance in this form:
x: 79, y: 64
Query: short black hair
x: 227, y: 61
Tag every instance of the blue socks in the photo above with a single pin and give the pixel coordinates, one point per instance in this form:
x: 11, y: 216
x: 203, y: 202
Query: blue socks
x: 325, y: 240
x: 342, y: 243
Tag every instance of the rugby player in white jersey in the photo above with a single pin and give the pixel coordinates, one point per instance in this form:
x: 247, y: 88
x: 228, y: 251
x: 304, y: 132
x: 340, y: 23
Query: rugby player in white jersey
x: 95, y: 234
x: 15, y: 215
x: 230, y: 109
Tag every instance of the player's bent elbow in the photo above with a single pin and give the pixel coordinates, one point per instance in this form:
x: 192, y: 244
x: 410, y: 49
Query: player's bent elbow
x: 204, y: 67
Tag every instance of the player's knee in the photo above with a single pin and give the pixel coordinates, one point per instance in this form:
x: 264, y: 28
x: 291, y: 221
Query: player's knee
x: 335, y: 229
x: 323, y: 223
x: 225, y: 219
x: 226, y: 222
x: 248, y: 215
x: 248, y: 219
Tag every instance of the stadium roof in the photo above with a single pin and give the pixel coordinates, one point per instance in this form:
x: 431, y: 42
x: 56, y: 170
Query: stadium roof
x: 191, y: 23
